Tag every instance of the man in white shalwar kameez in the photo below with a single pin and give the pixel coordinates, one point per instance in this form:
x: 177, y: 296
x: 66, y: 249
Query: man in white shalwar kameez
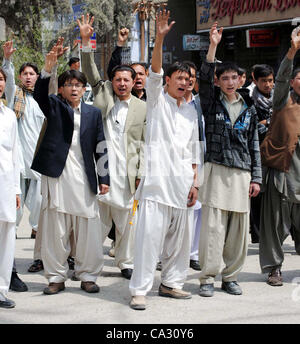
x: 69, y: 189
x: 10, y: 189
x: 123, y: 122
x: 30, y: 120
x: 169, y: 188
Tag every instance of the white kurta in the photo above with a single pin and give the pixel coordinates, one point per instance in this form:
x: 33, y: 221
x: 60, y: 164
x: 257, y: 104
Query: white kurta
x: 119, y: 194
x: 9, y: 164
x: 29, y: 127
x: 9, y: 186
x: 172, y: 146
x: 70, y: 193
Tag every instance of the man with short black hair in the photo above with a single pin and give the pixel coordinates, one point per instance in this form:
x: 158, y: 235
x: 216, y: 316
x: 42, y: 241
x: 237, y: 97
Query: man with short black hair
x: 169, y: 188
x: 262, y: 96
x: 72, y: 145
x: 74, y: 63
x: 30, y: 121
x: 232, y: 171
x: 124, y: 117
x: 140, y: 68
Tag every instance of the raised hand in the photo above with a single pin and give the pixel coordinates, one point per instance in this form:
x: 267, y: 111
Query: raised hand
x: 295, y: 38
x: 215, y: 35
x: 86, y: 29
x: 51, y: 59
x: 123, y: 36
x: 162, y: 26
x: 60, y: 47
x: 8, y: 49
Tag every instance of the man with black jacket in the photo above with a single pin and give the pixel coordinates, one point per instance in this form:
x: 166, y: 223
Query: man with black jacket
x: 232, y: 172
x: 73, y: 141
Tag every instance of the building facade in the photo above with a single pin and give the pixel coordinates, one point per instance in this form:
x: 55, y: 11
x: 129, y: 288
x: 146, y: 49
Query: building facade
x: 255, y: 31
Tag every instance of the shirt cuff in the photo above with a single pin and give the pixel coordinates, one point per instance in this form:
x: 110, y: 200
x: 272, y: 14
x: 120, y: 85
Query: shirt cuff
x: 45, y: 74
x: 86, y: 49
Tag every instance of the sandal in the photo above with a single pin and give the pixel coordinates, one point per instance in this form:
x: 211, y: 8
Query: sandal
x: 36, y: 266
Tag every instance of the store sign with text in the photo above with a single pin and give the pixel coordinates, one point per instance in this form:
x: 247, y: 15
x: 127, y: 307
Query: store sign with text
x: 262, y: 38
x: 237, y: 13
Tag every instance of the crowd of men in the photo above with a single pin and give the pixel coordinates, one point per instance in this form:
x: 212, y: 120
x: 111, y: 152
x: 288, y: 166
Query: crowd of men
x: 176, y: 179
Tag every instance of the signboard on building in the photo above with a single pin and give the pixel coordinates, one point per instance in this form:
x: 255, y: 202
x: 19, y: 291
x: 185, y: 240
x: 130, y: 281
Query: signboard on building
x: 262, y: 38
x: 191, y: 42
x: 241, y: 13
x: 195, y: 42
x: 167, y: 58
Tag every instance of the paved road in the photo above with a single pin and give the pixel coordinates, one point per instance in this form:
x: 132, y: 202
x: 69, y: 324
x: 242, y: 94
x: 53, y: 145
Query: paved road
x: 259, y: 303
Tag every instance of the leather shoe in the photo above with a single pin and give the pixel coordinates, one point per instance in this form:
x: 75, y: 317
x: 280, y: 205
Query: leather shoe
x: 173, y: 292
x: 90, y: 287
x: 231, y: 288
x: 126, y: 273
x: 7, y: 303
x: 207, y: 290
x: 274, y: 278
x: 138, y: 302
x: 36, y: 266
x: 54, y: 288
x: 16, y: 284
x: 33, y: 234
x: 194, y: 264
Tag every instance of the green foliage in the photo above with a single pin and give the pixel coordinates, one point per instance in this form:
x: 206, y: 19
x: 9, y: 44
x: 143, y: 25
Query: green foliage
x: 110, y: 15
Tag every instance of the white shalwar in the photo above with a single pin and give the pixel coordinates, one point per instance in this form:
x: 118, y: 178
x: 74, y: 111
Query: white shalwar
x: 69, y: 205
x: 116, y: 205
x: 165, y: 223
x: 29, y: 129
x: 10, y: 187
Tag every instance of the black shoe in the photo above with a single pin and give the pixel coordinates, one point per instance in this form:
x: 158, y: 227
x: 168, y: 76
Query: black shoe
x: 232, y: 288
x: 194, y: 264
x: 36, y: 266
x: 126, y: 273
x: 7, y: 303
x: 33, y: 234
x: 71, y: 263
x: 207, y: 290
x: 16, y: 284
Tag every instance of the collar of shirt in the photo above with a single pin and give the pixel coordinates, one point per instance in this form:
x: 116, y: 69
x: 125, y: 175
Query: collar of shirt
x: 76, y: 110
x: 119, y: 111
x: 224, y: 98
x: 119, y: 102
x: 2, y: 106
x: 174, y: 100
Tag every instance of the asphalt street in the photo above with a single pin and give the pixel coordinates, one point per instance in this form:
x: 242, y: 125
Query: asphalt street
x: 259, y: 304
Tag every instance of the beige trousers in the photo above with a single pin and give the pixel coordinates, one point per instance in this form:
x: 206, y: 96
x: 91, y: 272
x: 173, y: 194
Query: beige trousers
x: 223, y: 241
x: 56, y: 245
x: 125, y: 233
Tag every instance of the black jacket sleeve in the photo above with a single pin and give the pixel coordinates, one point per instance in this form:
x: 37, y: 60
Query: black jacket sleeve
x: 115, y: 60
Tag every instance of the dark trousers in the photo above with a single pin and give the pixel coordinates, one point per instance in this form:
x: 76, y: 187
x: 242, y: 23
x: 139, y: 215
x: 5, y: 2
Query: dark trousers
x: 279, y: 218
x: 255, y: 218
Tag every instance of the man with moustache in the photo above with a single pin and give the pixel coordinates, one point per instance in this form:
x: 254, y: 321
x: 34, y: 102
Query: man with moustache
x: 124, y: 123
